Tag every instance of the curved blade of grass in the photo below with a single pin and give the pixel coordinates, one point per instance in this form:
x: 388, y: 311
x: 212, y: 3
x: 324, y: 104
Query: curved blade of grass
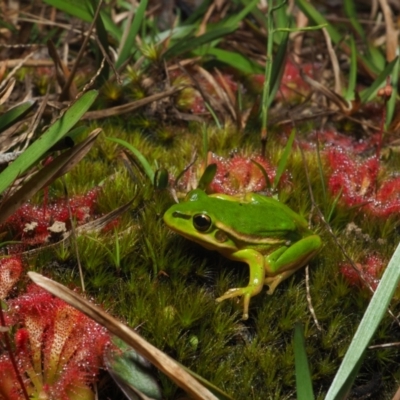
x: 283, y: 161
x: 139, y: 156
x: 159, y: 359
x: 351, y: 87
x: 235, y: 60
x: 264, y: 172
x: 377, y: 308
x: 391, y: 105
x: 303, y: 376
x: 14, y: 114
x: 48, y: 139
x: 350, y: 10
x: 234, y: 19
x: 79, y: 9
x: 311, y: 12
x: 190, y: 42
x: 369, y: 93
x: 129, y: 45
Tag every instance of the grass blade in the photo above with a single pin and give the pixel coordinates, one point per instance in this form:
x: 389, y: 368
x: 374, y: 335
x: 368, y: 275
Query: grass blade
x: 391, y: 105
x: 48, y: 139
x: 236, y: 60
x: 368, y: 94
x: 351, y: 87
x: 139, y: 156
x: 303, y: 376
x: 190, y: 43
x: 377, y: 308
x: 14, y: 114
x: 129, y: 44
x: 283, y: 161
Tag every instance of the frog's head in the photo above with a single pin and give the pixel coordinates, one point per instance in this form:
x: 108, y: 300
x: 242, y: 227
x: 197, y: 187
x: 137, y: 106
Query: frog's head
x: 195, y: 219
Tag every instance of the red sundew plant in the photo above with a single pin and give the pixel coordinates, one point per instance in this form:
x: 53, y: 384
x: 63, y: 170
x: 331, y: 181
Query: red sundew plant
x: 356, y: 182
x: 292, y: 87
x: 331, y: 138
x: 369, y: 272
x: 58, y: 350
x: 239, y: 174
x: 10, y: 271
x: 236, y: 175
x: 37, y: 225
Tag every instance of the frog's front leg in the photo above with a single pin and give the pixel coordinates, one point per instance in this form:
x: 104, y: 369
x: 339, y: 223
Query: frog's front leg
x: 255, y: 260
x: 285, y: 261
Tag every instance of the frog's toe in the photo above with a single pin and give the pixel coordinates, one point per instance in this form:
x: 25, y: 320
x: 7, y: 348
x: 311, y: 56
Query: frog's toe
x: 235, y: 292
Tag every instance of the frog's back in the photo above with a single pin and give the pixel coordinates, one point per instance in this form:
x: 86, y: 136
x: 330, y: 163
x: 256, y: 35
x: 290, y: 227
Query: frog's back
x: 264, y: 217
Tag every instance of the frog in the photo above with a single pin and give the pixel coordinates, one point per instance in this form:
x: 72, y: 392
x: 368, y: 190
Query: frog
x: 258, y: 230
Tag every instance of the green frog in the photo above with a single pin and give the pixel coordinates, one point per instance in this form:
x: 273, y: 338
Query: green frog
x: 260, y: 231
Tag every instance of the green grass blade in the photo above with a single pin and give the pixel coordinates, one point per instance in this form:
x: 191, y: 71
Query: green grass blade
x: 369, y: 93
x: 391, y: 105
x: 139, y: 156
x: 284, y: 158
x: 48, y: 139
x: 351, y: 87
x: 314, y: 15
x: 303, y: 376
x: 377, y: 308
x: 14, y: 114
x: 233, y: 20
x: 79, y: 9
x: 350, y: 10
x: 190, y: 43
x: 235, y: 60
x: 129, y: 44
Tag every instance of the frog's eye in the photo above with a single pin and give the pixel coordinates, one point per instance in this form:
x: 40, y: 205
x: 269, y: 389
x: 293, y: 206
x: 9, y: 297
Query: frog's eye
x: 201, y: 222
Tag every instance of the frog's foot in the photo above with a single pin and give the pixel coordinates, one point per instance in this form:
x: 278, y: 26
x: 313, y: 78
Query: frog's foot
x: 274, y: 281
x: 236, y: 292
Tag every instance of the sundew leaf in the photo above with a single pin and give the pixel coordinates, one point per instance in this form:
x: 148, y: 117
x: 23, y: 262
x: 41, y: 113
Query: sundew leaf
x: 129, y: 44
x: 369, y: 93
x: 48, y: 139
x: 14, y: 114
x: 139, y: 156
x: 377, y: 308
x: 303, y: 376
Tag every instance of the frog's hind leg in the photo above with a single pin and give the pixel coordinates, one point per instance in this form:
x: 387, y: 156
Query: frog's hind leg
x: 255, y: 260
x: 286, y: 261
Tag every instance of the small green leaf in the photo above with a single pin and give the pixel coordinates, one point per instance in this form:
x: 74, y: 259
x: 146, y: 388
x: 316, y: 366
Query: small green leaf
x: 190, y: 42
x: 303, y: 376
x: 129, y: 45
x: 236, y: 60
x: 161, y: 179
x: 208, y: 176
x: 131, y: 371
x: 283, y: 161
x: 368, y: 94
x: 139, y: 156
x: 14, y: 114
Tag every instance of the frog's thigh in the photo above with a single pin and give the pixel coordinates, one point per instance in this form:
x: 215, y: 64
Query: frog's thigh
x: 285, y: 261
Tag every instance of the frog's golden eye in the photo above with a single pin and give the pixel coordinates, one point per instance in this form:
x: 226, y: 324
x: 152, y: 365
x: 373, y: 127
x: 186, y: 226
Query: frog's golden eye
x: 201, y: 222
